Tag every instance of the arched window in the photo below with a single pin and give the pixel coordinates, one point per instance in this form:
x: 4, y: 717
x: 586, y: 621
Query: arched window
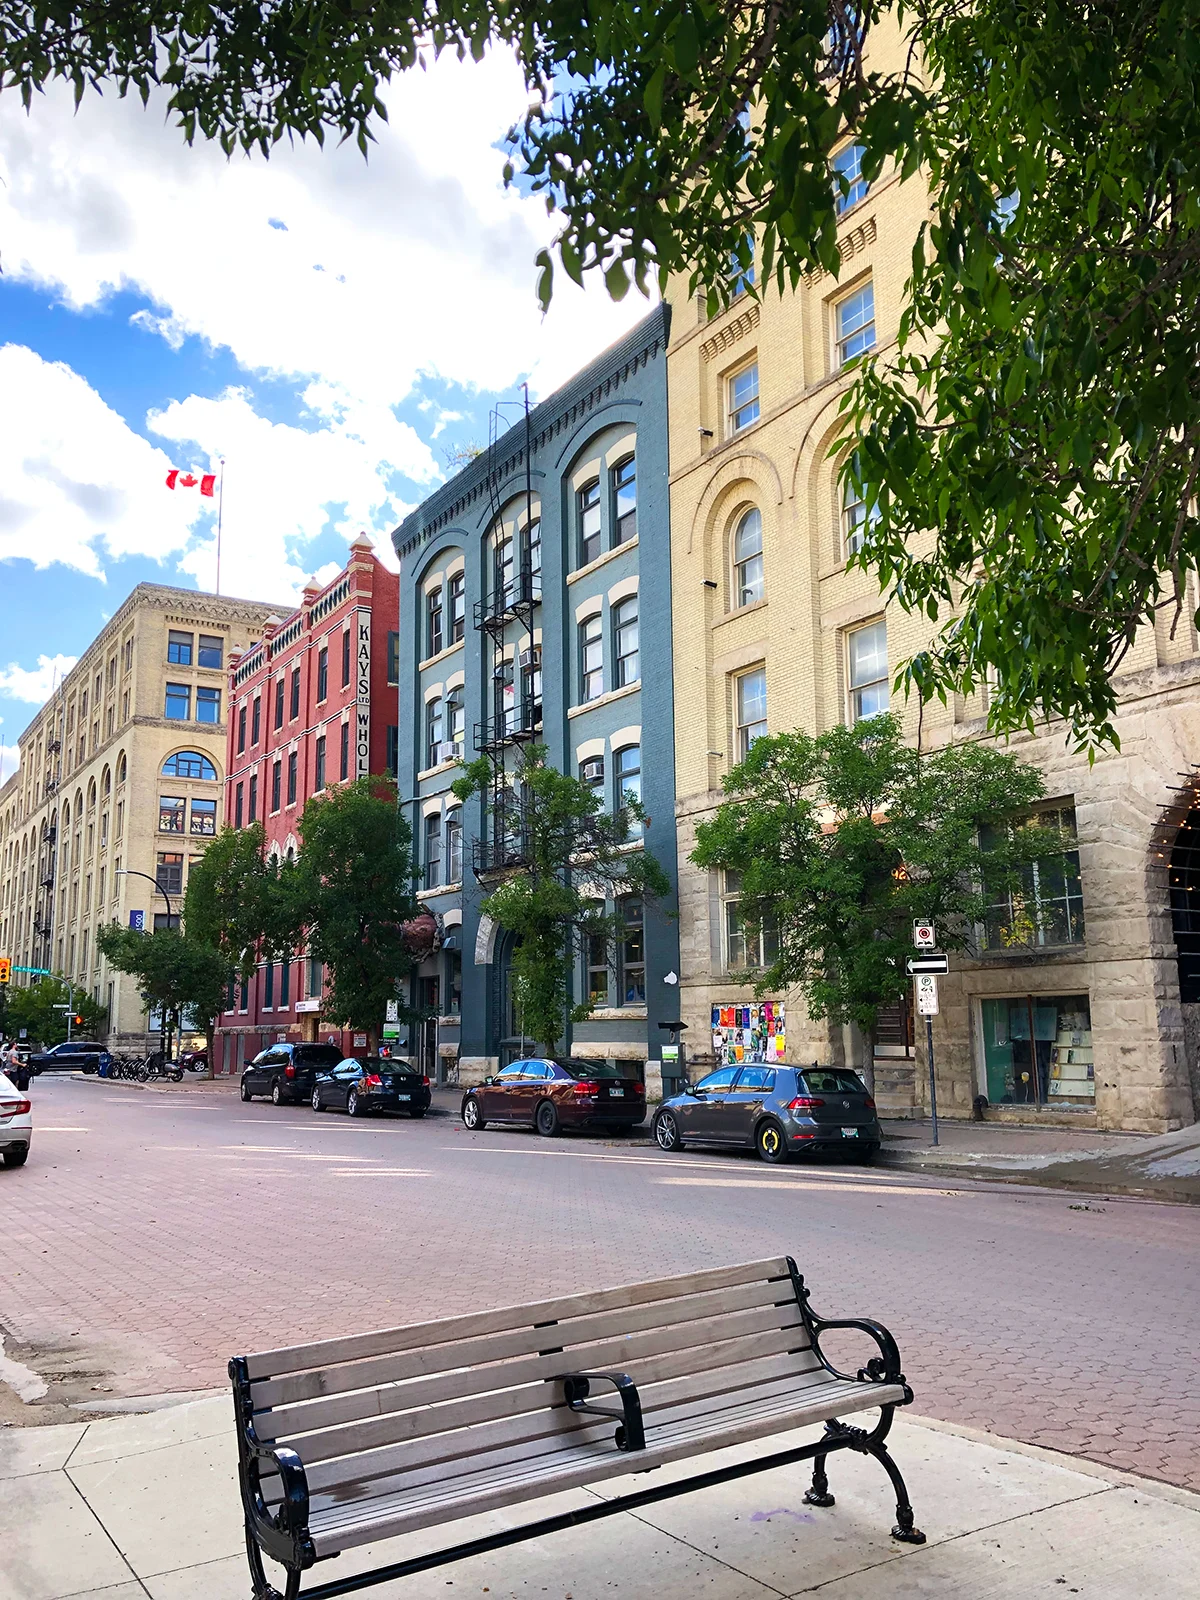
x: 856, y: 520
x: 121, y: 767
x: 748, y: 584
x: 106, y: 783
x: 91, y: 794
x: 189, y: 764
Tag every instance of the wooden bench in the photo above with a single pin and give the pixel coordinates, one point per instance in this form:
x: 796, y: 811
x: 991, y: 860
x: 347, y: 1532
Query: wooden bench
x: 354, y: 1440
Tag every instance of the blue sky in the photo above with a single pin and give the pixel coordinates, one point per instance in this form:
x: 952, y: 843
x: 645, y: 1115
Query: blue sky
x: 330, y: 326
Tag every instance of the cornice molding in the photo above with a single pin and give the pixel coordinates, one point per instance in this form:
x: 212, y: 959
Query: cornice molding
x: 732, y: 332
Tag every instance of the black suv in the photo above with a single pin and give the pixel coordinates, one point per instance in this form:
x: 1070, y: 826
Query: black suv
x: 75, y: 1055
x: 287, y: 1071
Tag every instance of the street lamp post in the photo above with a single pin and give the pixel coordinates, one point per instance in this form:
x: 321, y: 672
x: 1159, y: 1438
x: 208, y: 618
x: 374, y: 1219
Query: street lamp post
x: 132, y: 872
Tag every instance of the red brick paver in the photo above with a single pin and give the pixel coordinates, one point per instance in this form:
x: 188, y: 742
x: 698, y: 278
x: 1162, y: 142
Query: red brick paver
x: 179, y: 1229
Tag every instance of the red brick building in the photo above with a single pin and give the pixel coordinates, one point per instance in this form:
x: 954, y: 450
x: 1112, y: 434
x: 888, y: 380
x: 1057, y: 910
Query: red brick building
x: 311, y: 705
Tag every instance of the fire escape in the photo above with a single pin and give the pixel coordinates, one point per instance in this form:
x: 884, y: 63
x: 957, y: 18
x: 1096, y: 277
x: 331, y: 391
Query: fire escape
x: 43, y: 916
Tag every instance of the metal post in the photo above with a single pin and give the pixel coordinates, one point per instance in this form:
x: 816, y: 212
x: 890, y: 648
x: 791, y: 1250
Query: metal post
x: 932, y: 1079
x: 70, y: 1009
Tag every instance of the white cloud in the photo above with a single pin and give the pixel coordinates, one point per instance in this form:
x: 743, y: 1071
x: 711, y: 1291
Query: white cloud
x: 414, y: 262
x: 35, y: 685
x: 10, y: 760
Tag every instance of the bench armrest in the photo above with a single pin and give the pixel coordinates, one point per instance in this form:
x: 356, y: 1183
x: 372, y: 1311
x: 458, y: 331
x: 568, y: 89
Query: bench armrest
x: 283, y: 1532
x: 631, y: 1433
x: 883, y: 1368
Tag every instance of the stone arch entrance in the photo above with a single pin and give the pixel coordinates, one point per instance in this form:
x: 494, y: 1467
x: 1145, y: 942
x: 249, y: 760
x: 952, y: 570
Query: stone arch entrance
x: 1183, y: 879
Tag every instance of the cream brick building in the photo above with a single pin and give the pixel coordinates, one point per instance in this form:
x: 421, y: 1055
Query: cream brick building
x: 122, y: 768
x: 771, y: 631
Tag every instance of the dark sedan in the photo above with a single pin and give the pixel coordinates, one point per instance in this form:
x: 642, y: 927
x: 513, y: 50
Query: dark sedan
x: 376, y: 1084
x: 287, y: 1072
x: 75, y: 1055
x: 551, y: 1095
x: 778, y: 1111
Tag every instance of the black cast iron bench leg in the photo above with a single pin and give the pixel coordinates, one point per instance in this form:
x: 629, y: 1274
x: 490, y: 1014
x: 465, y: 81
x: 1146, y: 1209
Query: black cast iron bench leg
x: 263, y: 1588
x: 871, y: 1444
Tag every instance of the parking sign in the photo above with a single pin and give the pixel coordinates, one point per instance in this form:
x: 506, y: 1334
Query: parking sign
x: 924, y: 936
x: 927, y: 994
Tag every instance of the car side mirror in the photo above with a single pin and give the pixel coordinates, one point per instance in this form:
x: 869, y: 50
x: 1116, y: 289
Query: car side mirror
x: 487, y: 1082
x: 248, y: 1062
x: 694, y: 1088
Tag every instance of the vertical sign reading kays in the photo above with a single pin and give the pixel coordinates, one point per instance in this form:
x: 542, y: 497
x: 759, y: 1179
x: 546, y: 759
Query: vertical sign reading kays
x: 362, y: 739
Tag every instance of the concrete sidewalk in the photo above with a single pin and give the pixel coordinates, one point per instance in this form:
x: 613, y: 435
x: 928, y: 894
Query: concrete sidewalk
x: 148, y: 1506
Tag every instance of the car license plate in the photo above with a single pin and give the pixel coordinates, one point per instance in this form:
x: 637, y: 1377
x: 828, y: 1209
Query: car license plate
x: 404, y: 1097
x: 849, y: 1133
x: 616, y: 1094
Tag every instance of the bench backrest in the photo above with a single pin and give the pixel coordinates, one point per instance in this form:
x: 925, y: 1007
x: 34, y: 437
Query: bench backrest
x: 361, y: 1408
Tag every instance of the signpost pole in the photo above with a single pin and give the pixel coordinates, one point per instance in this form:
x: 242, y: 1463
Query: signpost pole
x: 932, y: 1079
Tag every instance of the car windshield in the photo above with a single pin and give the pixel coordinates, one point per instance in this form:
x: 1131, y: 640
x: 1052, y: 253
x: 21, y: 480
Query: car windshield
x: 596, y: 1069
x: 833, y: 1080
x: 316, y: 1055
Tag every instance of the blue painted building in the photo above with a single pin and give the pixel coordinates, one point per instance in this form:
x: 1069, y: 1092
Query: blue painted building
x: 535, y: 605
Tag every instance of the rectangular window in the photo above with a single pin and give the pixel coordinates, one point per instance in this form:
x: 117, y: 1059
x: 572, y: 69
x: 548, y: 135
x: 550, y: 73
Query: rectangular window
x: 588, y: 514
x: 253, y: 797
x: 454, y: 856
x: 169, y: 873
x: 741, y: 265
x: 597, y: 969
x: 178, y: 703
x: 125, y: 706
x: 212, y: 650
x: 1037, y: 1050
x: 433, y: 620
x: 244, y: 997
x: 276, y: 775
x: 433, y: 731
x: 241, y: 742
x: 849, y: 185
x: 625, y: 642
x: 743, y: 398
x: 456, y: 726
x: 204, y: 817
x: 316, y: 978
x: 629, y: 785
x: 294, y: 707
x: 855, y: 324
x: 179, y: 651
x: 591, y: 650
x: 346, y: 659
x: 630, y: 917
x: 1046, y: 907
x: 747, y: 948
x: 256, y: 720
x: 293, y: 762
x: 269, y: 986
x: 591, y: 775
x: 322, y: 674
x: 279, y: 702
x: 392, y: 750
x: 285, y: 985
x: 866, y: 650
x: 170, y: 814
x: 458, y: 606
x: 319, y: 778
x: 208, y: 705
x: 856, y: 520
x: 237, y: 806
x: 393, y: 657
x: 750, y: 709
x: 344, y: 765
x: 433, y: 851
x: 625, y: 500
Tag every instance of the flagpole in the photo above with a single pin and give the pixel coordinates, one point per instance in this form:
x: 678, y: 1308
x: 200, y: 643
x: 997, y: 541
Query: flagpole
x: 220, y: 514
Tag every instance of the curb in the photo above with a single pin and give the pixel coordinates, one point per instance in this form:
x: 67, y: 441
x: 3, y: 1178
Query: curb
x: 1045, y: 1178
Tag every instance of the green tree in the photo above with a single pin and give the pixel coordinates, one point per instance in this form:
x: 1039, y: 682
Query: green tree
x: 37, y: 1010
x: 843, y: 840
x: 235, y: 901
x: 174, y: 970
x: 350, y: 895
x: 559, y: 857
x: 1039, y: 429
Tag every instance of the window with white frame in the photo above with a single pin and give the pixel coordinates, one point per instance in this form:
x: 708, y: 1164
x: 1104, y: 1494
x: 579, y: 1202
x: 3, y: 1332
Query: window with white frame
x: 591, y: 657
x: 854, y: 323
x: 849, y: 185
x: 434, y: 637
x: 741, y: 265
x: 454, y: 845
x: 591, y: 775
x: 503, y: 587
x: 433, y: 731
x: 629, y: 785
x: 433, y: 850
x: 588, y: 512
x: 624, y: 485
x: 742, y: 398
x: 597, y: 969
x: 458, y: 606
x: 456, y: 724
x: 531, y: 545
x: 750, y: 709
x: 866, y: 652
x: 856, y: 519
x: 748, y: 585
x: 748, y: 947
x: 626, y: 654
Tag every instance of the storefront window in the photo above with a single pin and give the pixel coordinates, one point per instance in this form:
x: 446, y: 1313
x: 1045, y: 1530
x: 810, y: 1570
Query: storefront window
x: 1037, y: 1050
x: 1047, y: 908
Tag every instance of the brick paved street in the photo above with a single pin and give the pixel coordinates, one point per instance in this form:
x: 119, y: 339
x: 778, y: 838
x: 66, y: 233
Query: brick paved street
x: 153, y: 1234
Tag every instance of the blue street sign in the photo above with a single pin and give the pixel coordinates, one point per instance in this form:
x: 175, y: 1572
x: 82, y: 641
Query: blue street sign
x: 137, y: 921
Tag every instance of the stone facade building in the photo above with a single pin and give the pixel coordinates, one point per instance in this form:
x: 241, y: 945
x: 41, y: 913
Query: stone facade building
x: 535, y: 605
x: 1092, y: 1019
x: 119, y: 789
x: 312, y: 704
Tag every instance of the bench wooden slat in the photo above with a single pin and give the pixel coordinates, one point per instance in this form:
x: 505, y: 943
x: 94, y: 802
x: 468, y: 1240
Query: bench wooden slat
x: 400, y: 1366
x: 363, y: 1522
x: 702, y: 1336
x: 326, y: 1353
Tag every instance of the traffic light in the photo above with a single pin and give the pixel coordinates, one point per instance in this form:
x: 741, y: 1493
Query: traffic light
x: 78, y: 1022
x: 5, y: 969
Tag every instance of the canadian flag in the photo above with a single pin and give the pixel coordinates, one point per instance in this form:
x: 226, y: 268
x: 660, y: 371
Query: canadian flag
x: 188, y: 480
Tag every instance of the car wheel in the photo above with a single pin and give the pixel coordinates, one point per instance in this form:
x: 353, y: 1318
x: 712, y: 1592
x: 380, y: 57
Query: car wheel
x: 417, y: 1112
x: 16, y: 1158
x: 353, y: 1104
x: 867, y: 1155
x: 769, y: 1141
x: 472, y: 1117
x: 316, y: 1100
x: 666, y: 1132
x: 546, y: 1120
x: 245, y: 1092
x: 276, y: 1094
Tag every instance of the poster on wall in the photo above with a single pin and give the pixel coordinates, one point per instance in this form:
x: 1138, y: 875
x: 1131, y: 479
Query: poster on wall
x: 749, y: 1032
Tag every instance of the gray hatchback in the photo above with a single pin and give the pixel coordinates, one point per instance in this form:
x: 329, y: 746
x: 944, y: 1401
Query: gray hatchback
x: 777, y: 1110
